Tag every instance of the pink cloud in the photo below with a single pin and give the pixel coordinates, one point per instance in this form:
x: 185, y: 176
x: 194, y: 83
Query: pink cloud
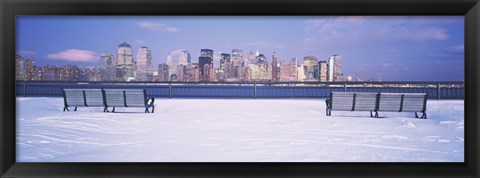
x: 157, y: 26
x: 433, y: 33
x: 75, y: 55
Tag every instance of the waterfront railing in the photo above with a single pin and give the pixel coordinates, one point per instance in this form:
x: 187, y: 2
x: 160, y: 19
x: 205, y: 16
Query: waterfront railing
x: 435, y: 89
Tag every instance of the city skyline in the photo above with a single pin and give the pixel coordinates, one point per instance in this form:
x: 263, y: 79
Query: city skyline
x: 414, y: 48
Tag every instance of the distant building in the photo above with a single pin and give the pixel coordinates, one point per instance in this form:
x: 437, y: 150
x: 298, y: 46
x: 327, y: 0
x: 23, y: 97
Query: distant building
x: 125, y: 65
x: 144, y: 64
x: 162, y: 72
x: 237, y: 59
x: 184, y: 58
x: 49, y: 73
x: 224, y: 57
x: 322, y: 71
x: 229, y: 69
x: 106, y: 67
x: 172, y: 66
x: 19, y: 68
x: 31, y: 69
x: 206, y: 57
x: 274, y: 67
x: 309, y: 67
x: 334, y: 68
x: 300, y: 73
x: 247, y: 73
x: 288, y: 70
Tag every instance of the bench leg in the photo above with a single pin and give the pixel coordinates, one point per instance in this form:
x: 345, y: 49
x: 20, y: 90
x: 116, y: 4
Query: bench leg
x: 371, y: 114
x: 416, y: 116
x: 153, y: 109
x: 328, y: 112
x: 146, y: 110
x: 376, y: 114
x: 113, y: 109
x: 424, y: 115
x: 75, y: 108
x: 105, y: 109
x: 65, y: 108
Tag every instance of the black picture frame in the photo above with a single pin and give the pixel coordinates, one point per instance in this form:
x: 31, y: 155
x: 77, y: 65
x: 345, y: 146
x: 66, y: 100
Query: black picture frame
x: 11, y: 8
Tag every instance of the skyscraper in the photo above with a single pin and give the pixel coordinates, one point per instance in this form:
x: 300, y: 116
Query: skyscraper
x: 309, y: 63
x: 172, y: 66
x: 144, y: 64
x: 334, y: 68
x: 206, y: 57
x: 162, y: 72
x: 30, y: 69
x: 125, y: 64
x: 19, y: 68
x: 274, y: 67
x: 184, y: 58
x: 237, y: 59
x: 322, y: 71
x: 224, y: 57
x: 106, y: 67
x: 337, y: 68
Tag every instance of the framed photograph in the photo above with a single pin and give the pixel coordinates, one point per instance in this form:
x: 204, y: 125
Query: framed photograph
x: 239, y: 88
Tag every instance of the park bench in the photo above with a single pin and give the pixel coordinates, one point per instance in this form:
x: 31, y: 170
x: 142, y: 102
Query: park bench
x: 82, y: 98
x: 403, y: 102
x: 376, y: 102
x: 127, y: 98
x: 351, y: 101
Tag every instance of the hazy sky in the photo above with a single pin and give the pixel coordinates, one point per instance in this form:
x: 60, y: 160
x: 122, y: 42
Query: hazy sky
x: 394, y: 47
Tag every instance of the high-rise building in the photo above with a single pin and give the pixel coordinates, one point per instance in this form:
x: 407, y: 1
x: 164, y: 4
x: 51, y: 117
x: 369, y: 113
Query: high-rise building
x: 247, y: 73
x: 125, y: 69
x: 224, y: 57
x: 322, y: 71
x: 172, y: 66
x: 237, y: 59
x: 206, y: 57
x: 19, y: 68
x: 229, y: 69
x: 259, y: 58
x: 184, y: 58
x: 30, y: 69
x: 162, y: 72
x: 144, y: 64
x: 49, y: 73
x: 334, y: 68
x: 274, y: 67
x: 300, y: 73
x: 309, y: 63
x: 181, y: 72
x: 106, y: 67
x: 337, y: 68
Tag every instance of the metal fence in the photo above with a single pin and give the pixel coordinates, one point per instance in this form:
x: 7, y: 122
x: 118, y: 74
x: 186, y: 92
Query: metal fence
x: 435, y: 90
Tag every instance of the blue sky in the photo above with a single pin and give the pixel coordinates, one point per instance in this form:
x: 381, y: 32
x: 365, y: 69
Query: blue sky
x: 397, y: 48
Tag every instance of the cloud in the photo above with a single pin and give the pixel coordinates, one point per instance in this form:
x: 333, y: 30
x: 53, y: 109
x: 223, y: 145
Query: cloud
x: 157, y: 26
x: 345, y: 30
x: 140, y: 42
x: 458, y: 48
x: 433, y: 33
x: 26, y: 53
x: 261, y: 44
x: 75, y: 55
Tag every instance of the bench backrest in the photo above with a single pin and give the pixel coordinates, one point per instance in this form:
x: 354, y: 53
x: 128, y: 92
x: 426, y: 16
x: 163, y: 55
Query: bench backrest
x: 94, y: 97
x: 83, y: 97
x: 353, y: 101
x: 125, y: 97
x: 73, y: 97
x: 411, y: 102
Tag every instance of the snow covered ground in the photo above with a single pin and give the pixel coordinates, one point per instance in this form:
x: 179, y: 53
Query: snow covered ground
x: 236, y: 130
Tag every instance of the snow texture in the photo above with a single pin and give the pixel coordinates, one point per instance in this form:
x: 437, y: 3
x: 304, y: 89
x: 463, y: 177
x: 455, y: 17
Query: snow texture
x: 236, y: 130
